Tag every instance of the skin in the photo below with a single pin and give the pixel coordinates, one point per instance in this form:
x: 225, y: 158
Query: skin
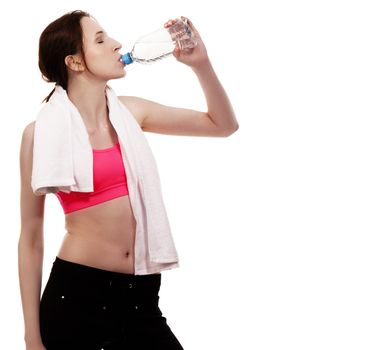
x: 103, y: 235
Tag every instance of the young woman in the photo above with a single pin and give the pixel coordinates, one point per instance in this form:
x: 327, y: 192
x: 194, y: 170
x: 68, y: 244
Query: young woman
x: 95, y: 298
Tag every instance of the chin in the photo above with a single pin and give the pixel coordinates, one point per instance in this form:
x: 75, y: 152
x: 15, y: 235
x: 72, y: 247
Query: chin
x: 118, y: 75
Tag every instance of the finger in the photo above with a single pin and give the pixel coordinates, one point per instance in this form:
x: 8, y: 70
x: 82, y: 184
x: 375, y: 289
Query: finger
x: 177, y: 51
x: 190, y: 24
x: 169, y: 23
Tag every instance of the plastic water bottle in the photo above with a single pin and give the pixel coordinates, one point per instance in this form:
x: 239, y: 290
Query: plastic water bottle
x: 155, y: 46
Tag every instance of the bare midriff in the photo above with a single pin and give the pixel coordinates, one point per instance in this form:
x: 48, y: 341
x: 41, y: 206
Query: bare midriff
x: 101, y: 236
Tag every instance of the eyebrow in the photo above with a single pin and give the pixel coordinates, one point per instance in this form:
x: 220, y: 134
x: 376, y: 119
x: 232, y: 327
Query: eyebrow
x: 99, y: 32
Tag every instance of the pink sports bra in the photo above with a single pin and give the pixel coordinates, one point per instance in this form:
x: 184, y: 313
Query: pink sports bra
x: 109, y: 181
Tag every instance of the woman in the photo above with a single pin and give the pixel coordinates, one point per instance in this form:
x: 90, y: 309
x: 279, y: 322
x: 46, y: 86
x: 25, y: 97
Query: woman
x: 94, y: 297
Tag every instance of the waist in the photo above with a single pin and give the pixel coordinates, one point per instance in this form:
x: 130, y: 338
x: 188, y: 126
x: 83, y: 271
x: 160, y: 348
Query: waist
x: 84, y: 285
x: 109, y: 250
x: 68, y: 271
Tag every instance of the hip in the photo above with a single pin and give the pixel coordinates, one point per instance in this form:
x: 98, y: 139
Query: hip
x: 83, y: 303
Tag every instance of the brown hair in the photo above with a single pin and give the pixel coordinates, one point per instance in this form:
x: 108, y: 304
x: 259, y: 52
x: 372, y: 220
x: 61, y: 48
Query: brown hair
x: 61, y: 38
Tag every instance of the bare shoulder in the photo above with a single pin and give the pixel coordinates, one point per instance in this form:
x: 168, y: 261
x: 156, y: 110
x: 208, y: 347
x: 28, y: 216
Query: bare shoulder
x: 29, y: 131
x: 32, y: 206
x: 26, y: 148
x: 136, y: 105
x: 27, y: 140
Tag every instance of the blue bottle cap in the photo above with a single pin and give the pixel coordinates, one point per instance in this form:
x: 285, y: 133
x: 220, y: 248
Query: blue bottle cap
x: 126, y: 59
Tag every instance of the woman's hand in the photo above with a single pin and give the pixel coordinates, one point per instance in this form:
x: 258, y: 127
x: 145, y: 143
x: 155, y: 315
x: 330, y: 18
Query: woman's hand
x: 195, y: 57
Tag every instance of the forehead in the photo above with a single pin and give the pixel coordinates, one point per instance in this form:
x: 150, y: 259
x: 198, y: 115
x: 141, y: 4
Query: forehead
x: 90, y: 27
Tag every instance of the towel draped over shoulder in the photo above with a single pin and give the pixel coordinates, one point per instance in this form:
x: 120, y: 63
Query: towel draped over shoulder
x: 63, y: 161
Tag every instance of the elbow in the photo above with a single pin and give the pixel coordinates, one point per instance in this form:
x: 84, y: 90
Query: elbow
x: 229, y: 132
x: 235, y: 128
x: 31, y: 240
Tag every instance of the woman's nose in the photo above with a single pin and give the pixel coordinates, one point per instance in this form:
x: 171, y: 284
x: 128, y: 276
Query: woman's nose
x: 117, y: 46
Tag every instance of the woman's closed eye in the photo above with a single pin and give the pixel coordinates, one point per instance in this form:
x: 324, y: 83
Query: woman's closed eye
x: 100, y: 39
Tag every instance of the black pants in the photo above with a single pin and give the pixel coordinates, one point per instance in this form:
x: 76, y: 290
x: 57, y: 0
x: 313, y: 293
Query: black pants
x: 84, y: 308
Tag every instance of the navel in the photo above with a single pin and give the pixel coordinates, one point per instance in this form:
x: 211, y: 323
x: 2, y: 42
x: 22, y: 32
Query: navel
x: 126, y: 254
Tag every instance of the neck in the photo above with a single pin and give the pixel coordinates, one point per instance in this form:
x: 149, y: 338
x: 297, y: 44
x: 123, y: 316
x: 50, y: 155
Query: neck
x: 89, y: 98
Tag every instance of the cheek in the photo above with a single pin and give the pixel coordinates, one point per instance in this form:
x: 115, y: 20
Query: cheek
x: 94, y: 58
x: 101, y: 64
x: 94, y: 65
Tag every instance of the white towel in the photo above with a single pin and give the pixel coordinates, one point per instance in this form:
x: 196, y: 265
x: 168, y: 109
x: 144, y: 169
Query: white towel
x: 63, y: 161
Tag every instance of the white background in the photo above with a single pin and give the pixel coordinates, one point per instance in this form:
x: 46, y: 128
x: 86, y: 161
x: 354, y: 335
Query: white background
x: 280, y: 226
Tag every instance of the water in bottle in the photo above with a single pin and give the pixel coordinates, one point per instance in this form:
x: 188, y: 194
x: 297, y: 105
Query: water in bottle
x: 155, y: 46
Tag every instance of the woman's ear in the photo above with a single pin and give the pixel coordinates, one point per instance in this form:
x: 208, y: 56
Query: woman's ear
x: 75, y: 63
